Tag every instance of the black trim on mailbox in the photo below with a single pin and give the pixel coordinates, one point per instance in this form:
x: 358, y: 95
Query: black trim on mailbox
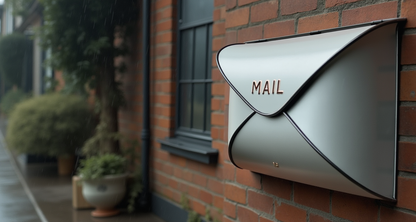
x: 230, y: 145
x: 378, y: 24
x: 332, y: 163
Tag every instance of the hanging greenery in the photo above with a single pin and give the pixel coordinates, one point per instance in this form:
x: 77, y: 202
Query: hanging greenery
x: 81, y: 35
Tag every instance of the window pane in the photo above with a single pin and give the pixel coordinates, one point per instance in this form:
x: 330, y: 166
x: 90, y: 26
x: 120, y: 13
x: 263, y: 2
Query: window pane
x: 194, y: 10
x: 187, y: 41
x: 200, y: 57
x: 185, y: 105
x: 198, y: 106
x: 209, y: 53
x: 208, y: 108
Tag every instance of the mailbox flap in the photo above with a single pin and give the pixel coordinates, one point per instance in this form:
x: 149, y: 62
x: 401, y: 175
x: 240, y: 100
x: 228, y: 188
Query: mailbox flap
x: 267, y: 75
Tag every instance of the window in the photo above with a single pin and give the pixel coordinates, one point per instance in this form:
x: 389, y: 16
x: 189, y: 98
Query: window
x: 193, y: 112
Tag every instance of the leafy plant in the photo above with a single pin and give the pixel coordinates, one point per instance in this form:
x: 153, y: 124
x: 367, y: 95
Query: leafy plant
x: 97, y: 167
x: 10, y: 99
x: 51, y: 124
x: 81, y: 35
x: 192, y: 215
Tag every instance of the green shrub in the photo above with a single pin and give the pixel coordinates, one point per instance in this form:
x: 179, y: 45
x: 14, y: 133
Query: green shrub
x: 51, y: 124
x: 97, y: 167
x: 10, y: 99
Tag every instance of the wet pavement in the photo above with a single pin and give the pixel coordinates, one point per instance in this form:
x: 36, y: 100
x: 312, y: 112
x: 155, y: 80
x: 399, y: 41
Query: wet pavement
x: 15, y: 202
x: 35, y: 193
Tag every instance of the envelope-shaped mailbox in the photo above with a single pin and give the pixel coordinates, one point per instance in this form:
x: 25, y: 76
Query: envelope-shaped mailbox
x: 319, y: 109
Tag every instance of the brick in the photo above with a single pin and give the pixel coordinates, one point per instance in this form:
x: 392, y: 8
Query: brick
x: 219, y: 2
x: 163, y: 3
x: 218, y: 202
x: 216, y: 214
x: 245, y: 2
x: 217, y: 119
x: 161, y: 178
x: 210, y: 170
x: 262, y: 219
x: 237, y: 17
x: 165, y: 37
x: 248, y: 178
x: 197, y: 206
x: 369, y: 13
x: 215, y: 186
x: 407, y: 120
x: 229, y: 4
x: 318, y: 22
x: 408, y: 49
x: 288, y: 7
x: 199, y: 180
x: 229, y: 171
x: 277, y: 29
x: 317, y: 218
x: 311, y: 196
x: 407, y: 86
x: 388, y: 214
x: 230, y: 209
x: 186, y: 175
x: 285, y: 212
x: 407, y: 157
x: 406, y: 193
x: 235, y: 193
x: 168, y: 169
x: 165, y: 25
x: 354, y: 208
x: 332, y: 3
x: 247, y: 215
x: 278, y: 187
x: 250, y: 33
x: 409, y: 11
x: 164, y: 13
x: 205, y: 197
x: 217, y: 44
x: 217, y: 14
x: 264, y: 11
x: 193, y: 191
x: 218, y: 28
x: 260, y: 202
x: 225, y: 219
x: 217, y: 89
x: 230, y: 37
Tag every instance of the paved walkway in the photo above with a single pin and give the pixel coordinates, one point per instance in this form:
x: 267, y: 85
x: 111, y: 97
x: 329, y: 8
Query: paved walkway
x: 35, y: 193
x: 16, y: 202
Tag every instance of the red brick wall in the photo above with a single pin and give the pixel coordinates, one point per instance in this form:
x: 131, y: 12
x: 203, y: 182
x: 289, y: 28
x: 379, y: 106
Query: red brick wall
x: 232, y: 194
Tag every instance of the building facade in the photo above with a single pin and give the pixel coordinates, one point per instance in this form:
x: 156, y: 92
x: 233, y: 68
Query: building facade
x: 189, y: 160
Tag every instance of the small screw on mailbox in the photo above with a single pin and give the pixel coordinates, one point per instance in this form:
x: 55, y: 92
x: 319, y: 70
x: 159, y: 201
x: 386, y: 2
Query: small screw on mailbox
x: 275, y: 164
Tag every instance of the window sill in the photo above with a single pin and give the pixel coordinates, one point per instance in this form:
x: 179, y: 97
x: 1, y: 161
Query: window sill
x: 201, y: 152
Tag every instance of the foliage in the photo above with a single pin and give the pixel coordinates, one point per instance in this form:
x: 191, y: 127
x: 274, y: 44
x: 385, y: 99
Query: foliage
x: 20, y: 7
x: 97, y: 167
x: 51, y: 124
x: 10, y: 99
x: 94, y: 145
x: 192, y: 215
x: 13, y: 48
x: 81, y: 35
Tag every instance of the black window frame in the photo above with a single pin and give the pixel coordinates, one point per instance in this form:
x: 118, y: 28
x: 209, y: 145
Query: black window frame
x: 187, y: 142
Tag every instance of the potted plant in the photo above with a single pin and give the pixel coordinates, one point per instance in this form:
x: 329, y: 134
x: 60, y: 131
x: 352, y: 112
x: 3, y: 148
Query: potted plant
x: 104, y: 182
x: 52, y: 125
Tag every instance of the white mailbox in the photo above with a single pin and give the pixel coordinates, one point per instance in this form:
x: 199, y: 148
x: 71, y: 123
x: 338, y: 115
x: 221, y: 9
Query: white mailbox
x: 318, y: 108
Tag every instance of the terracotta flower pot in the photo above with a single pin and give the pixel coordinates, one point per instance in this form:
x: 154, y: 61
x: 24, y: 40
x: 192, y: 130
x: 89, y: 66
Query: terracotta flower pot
x: 66, y: 165
x: 105, y: 194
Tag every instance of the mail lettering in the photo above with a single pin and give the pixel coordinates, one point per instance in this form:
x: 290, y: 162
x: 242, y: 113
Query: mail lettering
x: 269, y: 88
